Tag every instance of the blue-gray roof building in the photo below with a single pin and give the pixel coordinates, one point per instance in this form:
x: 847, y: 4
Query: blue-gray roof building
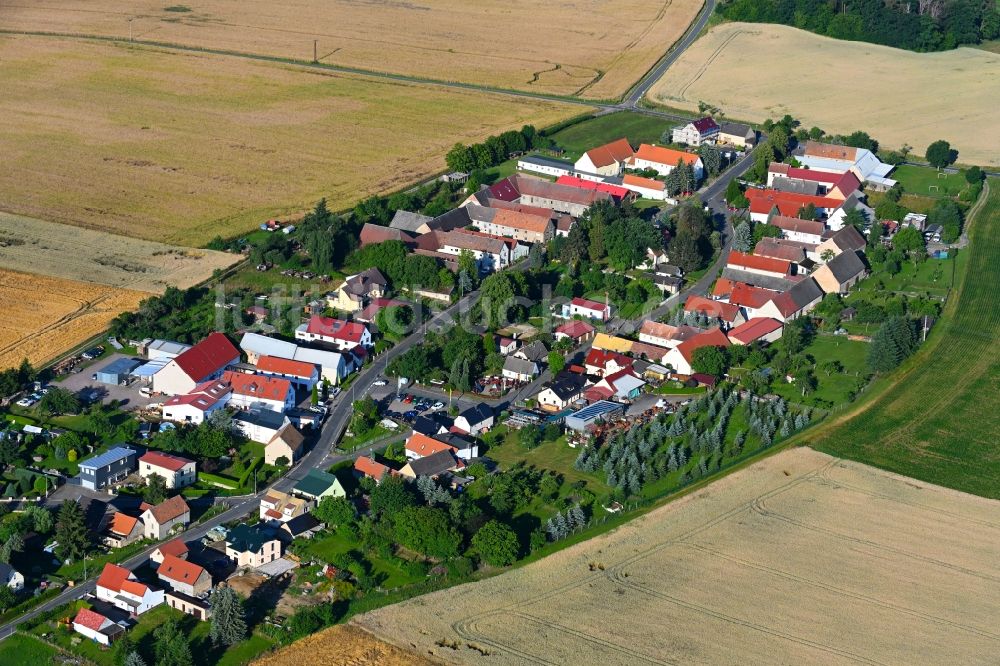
x: 602, y: 410
x: 108, y: 468
x: 117, y: 372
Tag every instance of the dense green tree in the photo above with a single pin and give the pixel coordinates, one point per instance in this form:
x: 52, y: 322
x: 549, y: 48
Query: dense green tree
x: 365, y: 415
x: 974, y: 175
x: 390, y: 497
x: 460, y: 158
x: 529, y: 436
x: 940, y: 154
x: 8, y: 598
x: 892, y: 343
x: 335, y: 511
x: 711, y: 158
x: 427, y: 530
x: 170, y: 645
x: 743, y: 237
x: 71, y: 531
x: 735, y: 196
x: 155, y: 490
x: 557, y: 362
x: 496, y: 543
x: 710, y: 360
x: 908, y: 239
x: 59, y: 401
x: 229, y: 624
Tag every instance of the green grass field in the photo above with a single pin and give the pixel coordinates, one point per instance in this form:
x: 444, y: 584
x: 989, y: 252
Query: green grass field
x: 637, y: 128
x: 936, y: 419
x: 928, y: 182
x: 835, y: 388
x: 24, y: 649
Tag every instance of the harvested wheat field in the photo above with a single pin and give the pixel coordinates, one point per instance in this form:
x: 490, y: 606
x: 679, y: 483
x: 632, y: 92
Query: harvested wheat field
x: 342, y: 645
x: 180, y: 147
x: 88, y: 255
x: 755, y: 71
x: 799, y: 559
x: 565, y: 47
x: 44, y: 316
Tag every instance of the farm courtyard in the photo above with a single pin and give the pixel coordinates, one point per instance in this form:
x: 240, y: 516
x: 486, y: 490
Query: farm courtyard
x: 180, y: 147
x: 758, y: 71
x: 794, y: 560
x: 561, y: 47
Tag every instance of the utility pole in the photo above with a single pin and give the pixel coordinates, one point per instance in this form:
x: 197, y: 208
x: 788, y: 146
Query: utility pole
x: 315, y: 58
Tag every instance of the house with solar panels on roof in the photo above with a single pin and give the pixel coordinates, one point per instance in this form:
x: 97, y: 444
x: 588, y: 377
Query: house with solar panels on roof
x: 106, y: 469
x: 598, y: 412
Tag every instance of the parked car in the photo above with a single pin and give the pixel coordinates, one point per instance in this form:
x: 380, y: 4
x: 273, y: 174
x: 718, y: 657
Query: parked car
x: 438, y: 405
x: 380, y: 382
x: 410, y: 415
x: 408, y: 399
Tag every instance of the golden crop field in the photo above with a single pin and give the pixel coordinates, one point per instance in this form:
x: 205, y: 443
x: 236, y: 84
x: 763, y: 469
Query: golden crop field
x: 342, y: 645
x: 756, y: 71
x: 180, y: 147
x: 88, y: 255
x: 44, y: 316
x: 798, y: 559
x: 595, y: 49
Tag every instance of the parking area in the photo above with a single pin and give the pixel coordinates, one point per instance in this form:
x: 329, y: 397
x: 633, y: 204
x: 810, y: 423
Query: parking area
x: 89, y: 389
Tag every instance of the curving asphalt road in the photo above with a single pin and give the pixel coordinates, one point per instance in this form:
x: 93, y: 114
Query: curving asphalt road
x: 321, y: 456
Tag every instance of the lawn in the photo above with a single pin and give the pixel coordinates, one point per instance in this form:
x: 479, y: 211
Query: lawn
x: 329, y: 546
x: 555, y: 456
x: 937, y: 417
x: 835, y: 388
x: 637, y: 128
x: 931, y: 278
x: 929, y: 182
x: 25, y: 649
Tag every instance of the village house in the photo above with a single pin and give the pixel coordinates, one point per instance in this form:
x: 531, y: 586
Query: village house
x: 106, y: 469
x: 582, y: 307
x: 603, y: 362
x: 334, y: 366
x: 838, y: 218
x: 252, y: 546
x: 647, y: 188
x: 433, y: 465
x: 736, y: 135
x: 195, y: 407
x: 607, y: 160
x: 286, y: 443
x: 160, y: 520
x: 562, y: 391
x: 122, y: 530
x: 119, y: 587
x: 863, y: 162
x: 277, y: 507
x: 519, y: 369
x: 521, y: 226
x: 176, y: 472
x: 491, y: 254
x: 259, y: 392
x: 11, y: 577
x: 534, y: 351
x: 696, y: 132
x: 664, y: 160
x: 475, y: 420
x: 680, y: 357
x: 750, y: 298
x: 750, y: 263
x: 368, y: 467
x: 665, y: 335
x: 612, y: 343
x: 260, y: 425
x: 831, y: 184
x: 765, y: 203
x: 621, y: 385
x: 792, y: 304
x: 847, y: 239
x: 96, y: 627
x: 343, y: 335
x: 358, y: 290
x: 203, y: 362
x: 506, y: 346
x: 838, y: 275
x: 317, y: 484
x: 760, y: 330
x: 617, y: 192
x: 794, y: 252
x: 727, y: 314
x: 796, y: 229
x: 576, y: 330
x: 413, y: 224
x: 183, y: 576
x: 301, y: 374
x: 372, y: 234
x: 546, y: 166
x: 538, y: 192
x: 175, y: 547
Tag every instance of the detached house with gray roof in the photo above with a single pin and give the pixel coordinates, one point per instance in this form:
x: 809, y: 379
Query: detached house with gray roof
x: 838, y: 275
x: 108, y: 468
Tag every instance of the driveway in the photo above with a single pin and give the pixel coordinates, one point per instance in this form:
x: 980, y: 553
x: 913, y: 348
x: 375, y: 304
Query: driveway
x: 87, y: 388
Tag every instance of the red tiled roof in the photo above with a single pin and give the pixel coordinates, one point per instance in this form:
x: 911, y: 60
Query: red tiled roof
x: 754, y: 329
x: 178, y: 570
x: 336, y: 328
x: 170, y: 509
x: 666, y: 156
x: 788, y: 203
x: 723, y: 287
x: 639, y: 181
x: 830, y: 151
x: 204, y: 396
x: 514, y: 219
x: 423, y: 446
x: 847, y: 184
x: 724, y: 311
x: 744, y: 261
x: 90, y: 619
x: 376, y: 470
x: 134, y: 588
x: 601, y: 357
x: 177, y: 547
x: 749, y: 296
x: 377, y: 304
x: 614, y: 190
x: 374, y: 233
x: 575, y: 329
x: 112, y: 577
x: 595, y: 393
x: 258, y: 386
x: 207, y: 357
x: 797, y: 173
x: 590, y: 305
x: 164, y: 460
x: 284, y: 366
x: 710, y: 338
x: 505, y: 190
x: 609, y: 153
x: 123, y: 524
